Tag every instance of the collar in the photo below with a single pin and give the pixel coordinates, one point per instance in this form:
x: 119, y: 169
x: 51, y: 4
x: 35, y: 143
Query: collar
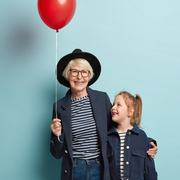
x: 135, y: 130
x: 67, y: 99
x: 92, y: 94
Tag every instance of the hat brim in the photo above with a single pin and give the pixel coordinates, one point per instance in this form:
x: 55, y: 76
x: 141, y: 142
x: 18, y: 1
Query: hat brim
x: 93, y: 61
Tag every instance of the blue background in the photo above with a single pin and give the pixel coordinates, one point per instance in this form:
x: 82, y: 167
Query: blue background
x: 137, y: 43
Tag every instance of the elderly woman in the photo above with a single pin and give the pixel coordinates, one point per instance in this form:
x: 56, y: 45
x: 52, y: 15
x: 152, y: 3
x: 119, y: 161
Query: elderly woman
x: 81, y: 120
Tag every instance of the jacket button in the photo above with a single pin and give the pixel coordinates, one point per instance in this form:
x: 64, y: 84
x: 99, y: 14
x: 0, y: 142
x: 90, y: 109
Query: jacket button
x: 129, y: 133
x: 127, y: 163
x: 66, y: 151
x: 127, y: 147
x: 65, y: 171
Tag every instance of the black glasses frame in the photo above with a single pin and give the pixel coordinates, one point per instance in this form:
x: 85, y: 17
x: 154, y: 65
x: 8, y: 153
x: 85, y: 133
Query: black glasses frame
x: 79, y: 71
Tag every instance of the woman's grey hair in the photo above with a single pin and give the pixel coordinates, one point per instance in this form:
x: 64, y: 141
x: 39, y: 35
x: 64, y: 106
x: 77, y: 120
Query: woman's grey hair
x: 80, y: 62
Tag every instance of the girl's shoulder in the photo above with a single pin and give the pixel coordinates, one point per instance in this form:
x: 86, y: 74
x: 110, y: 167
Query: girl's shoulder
x: 142, y: 133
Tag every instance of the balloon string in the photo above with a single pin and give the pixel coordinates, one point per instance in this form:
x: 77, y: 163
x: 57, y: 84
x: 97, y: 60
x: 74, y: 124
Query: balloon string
x: 56, y: 86
x: 56, y: 78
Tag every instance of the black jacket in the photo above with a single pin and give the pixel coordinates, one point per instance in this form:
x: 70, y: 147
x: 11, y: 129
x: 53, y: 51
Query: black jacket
x: 101, y: 107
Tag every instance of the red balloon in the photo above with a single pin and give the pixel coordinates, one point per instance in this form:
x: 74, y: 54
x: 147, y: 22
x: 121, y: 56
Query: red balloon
x: 56, y: 13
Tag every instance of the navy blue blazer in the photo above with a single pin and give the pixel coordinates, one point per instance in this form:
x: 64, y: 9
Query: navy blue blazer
x: 101, y: 107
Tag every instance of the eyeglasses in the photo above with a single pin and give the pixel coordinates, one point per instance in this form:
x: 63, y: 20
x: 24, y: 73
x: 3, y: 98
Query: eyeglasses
x: 75, y: 72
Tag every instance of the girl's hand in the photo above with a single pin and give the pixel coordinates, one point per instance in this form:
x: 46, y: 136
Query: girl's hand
x: 56, y: 126
x: 153, y: 150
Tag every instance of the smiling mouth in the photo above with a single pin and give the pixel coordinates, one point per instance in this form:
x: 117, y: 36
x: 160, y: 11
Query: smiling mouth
x: 113, y: 113
x: 79, y: 83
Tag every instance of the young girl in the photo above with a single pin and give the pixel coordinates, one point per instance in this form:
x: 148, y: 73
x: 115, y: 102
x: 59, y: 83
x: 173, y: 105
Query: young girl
x: 127, y: 143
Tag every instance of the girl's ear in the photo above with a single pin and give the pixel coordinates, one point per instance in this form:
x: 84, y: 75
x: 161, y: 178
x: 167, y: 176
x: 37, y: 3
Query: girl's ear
x: 130, y: 113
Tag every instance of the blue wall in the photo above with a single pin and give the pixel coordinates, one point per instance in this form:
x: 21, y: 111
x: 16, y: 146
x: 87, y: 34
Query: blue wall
x: 137, y: 43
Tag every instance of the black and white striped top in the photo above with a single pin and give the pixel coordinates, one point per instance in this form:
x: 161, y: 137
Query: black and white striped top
x: 85, y: 140
x: 122, y: 140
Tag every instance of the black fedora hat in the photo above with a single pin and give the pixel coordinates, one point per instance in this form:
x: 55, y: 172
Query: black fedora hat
x: 77, y: 53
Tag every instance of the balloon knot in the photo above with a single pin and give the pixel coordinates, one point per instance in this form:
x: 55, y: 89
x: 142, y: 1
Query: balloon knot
x: 57, y: 30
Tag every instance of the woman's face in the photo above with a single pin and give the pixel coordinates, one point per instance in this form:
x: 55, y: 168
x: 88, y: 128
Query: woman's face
x: 78, y: 83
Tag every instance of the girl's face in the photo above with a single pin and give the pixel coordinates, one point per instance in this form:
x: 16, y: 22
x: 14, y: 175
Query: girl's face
x: 119, y: 110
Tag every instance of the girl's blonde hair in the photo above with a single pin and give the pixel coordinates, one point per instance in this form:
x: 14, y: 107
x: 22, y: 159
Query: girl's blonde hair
x: 134, y: 102
x: 80, y: 62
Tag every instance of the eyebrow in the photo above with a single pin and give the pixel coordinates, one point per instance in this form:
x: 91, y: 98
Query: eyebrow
x: 117, y: 102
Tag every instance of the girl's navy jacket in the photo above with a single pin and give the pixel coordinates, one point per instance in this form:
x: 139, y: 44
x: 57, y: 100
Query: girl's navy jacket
x: 138, y: 165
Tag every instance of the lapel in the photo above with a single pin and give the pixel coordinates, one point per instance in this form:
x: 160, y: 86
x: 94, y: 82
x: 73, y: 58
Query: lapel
x: 66, y: 121
x: 97, y: 111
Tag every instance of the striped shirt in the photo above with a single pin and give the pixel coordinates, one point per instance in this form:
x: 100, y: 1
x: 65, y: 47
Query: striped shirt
x: 122, y: 140
x: 85, y: 140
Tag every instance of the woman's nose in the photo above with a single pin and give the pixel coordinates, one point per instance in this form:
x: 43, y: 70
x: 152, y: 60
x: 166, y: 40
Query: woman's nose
x: 79, y: 75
